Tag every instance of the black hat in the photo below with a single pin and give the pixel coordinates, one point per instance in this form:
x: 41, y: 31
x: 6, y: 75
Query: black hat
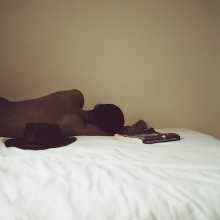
x: 39, y: 136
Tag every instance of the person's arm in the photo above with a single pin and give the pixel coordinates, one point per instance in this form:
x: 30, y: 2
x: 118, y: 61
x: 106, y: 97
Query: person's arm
x: 137, y: 128
x: 91, y: 130
x: 73, y: 125
x: 76, y: 97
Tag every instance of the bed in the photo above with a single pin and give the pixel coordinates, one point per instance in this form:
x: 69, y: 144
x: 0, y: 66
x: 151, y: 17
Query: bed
x: 102, y: 178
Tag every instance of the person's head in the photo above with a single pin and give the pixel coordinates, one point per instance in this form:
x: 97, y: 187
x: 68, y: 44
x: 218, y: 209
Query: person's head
x: 108, y: 117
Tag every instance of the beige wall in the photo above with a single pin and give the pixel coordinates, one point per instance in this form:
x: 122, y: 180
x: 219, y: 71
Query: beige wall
x: 156, y: 59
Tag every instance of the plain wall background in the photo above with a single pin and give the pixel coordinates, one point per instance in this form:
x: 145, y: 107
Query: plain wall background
x: 158, y: 60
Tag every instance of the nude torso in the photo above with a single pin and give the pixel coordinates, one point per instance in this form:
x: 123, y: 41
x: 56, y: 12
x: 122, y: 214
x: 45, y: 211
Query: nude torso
x: 47, y: 109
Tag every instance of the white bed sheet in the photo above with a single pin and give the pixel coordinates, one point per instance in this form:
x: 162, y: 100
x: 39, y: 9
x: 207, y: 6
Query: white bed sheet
x: 102, y: 178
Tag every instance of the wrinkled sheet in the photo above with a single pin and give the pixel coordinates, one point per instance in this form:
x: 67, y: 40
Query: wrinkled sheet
x: 102, y: 178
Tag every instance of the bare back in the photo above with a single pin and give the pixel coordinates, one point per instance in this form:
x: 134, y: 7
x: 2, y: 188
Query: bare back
x: 47, y: 109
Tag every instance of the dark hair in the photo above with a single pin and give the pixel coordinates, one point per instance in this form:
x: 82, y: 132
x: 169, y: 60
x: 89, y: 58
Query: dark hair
x: 108, y: 117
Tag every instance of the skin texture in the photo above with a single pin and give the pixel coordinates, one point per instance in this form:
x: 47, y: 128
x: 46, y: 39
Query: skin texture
x: 64, y: 108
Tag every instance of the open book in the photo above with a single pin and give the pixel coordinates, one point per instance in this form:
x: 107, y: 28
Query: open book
x: 150, y: 136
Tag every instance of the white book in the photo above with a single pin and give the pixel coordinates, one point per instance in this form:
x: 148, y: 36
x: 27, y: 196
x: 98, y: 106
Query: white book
x: 130, y: 139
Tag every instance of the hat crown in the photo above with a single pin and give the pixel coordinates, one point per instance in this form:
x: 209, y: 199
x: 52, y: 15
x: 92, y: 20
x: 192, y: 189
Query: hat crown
x: 43, y: 133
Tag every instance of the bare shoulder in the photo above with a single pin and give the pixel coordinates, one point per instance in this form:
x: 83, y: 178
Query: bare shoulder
x: 72, y: 92
x: 74, y: 95
x: 73, y: 124
x: 4, y: 102
x: 2, y: 99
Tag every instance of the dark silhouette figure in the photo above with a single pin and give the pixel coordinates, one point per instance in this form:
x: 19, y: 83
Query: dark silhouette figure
x: 63, y: 108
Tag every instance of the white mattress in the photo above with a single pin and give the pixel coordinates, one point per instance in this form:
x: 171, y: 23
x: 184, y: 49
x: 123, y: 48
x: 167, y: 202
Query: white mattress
x: 102, y: 178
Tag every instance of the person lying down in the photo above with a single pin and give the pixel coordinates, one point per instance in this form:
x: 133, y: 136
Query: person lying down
x: 50, y: 120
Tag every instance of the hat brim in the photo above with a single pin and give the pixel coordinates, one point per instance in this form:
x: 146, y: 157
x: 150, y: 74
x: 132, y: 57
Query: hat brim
x: 23, y: 144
